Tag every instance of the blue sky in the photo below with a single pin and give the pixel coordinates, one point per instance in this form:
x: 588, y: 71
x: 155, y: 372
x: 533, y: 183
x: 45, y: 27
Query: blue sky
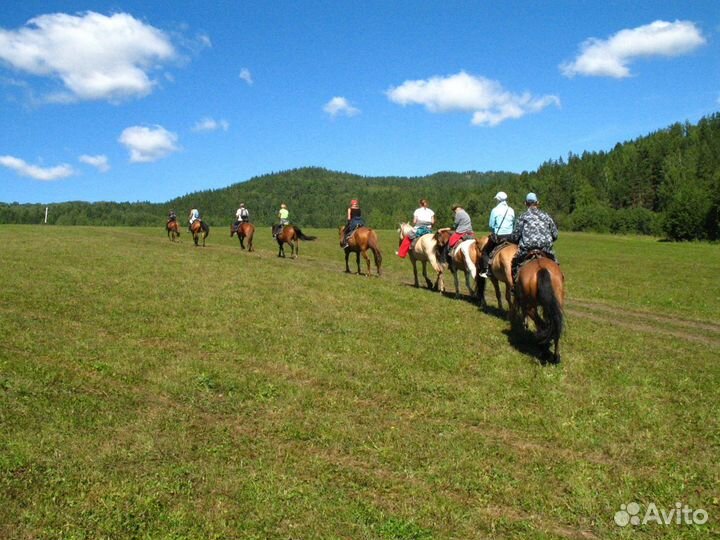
x: 146, y: 101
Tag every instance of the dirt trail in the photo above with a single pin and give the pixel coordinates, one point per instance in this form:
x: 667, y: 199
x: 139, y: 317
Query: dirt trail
x: 704, y: 332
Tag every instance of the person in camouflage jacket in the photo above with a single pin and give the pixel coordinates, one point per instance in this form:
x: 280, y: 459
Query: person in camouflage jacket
x: 534, y: 230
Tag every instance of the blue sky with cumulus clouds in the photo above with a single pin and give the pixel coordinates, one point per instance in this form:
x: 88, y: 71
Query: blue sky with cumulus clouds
x: 146, y: 101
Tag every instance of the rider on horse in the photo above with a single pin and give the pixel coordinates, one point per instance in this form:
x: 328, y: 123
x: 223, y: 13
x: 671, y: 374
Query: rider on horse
x: 423, y: 222
x: 172, y: 216
x: 242, y: 216
x: 193, y: 217
x: 502, y: 221
x: 284, y: 217
x: 534, y: 231
x: 354, y: 221
x: 463, y: 230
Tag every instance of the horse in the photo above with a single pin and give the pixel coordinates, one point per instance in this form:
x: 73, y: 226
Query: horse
x: 457, y: 261
x: 173, y: 230
x: 500, y: 270
x: 292, y: 235
x: 362, y: 239
x: 541, y: 284
x: 199, y: 229
x: 425, y: 251
x: 244, y: 230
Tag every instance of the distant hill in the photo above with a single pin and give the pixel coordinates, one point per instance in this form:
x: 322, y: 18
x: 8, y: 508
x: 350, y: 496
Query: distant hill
x: 319, y: 198
x: 666, y: 183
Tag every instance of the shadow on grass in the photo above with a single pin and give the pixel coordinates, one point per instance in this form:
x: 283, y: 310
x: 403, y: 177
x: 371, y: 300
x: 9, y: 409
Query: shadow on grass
x: 525, y: 342
x: 495, y: 311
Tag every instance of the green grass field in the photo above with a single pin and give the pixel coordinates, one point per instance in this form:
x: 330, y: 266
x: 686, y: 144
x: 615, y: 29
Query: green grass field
x: 158, y: 390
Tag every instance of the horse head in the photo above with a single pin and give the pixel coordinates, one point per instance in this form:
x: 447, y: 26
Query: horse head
x: 442, y: 237
x: 404, y: 229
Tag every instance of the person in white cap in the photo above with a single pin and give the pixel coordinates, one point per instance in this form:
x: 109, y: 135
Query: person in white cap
x: 502, y: 223
x: 242, y: 215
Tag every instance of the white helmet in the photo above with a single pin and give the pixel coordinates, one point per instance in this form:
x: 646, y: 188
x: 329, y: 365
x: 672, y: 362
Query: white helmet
x: 501, y: 196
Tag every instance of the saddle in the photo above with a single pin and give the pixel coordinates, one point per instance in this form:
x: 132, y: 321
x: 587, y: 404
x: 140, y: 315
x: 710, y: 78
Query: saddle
x: 536, y: 254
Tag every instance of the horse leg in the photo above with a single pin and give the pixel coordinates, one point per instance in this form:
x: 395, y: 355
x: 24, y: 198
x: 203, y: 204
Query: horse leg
x: 242, y: 242
x: 457, y: 283
x: 415, y: 273
x: 295, y: 249
x: 367, y: 262
x: 467, y: 282
x: 496, y: 285
x: 427, y: 279
x: 378, y: 259
x: 347, y: 256
x: 281, y: 250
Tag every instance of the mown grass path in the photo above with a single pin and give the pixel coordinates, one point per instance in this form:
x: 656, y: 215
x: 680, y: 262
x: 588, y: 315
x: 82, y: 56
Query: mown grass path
x: 158, y: 390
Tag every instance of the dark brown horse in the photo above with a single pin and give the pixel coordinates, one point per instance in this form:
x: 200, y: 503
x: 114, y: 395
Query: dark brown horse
x: 199, y: 229
x: 290, y: 234
x: 362, y: 239
x: 173, y: 230
x: 244, y: 230
x: 541, y: 284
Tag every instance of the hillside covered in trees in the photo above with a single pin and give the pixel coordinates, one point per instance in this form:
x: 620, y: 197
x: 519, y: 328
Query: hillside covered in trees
x: 665, y: 184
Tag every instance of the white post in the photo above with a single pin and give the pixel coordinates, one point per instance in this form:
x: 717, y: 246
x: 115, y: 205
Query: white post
x: 46, y: 212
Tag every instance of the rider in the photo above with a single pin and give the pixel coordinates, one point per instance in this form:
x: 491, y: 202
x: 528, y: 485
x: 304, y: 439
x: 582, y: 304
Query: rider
x: 193, y: 217
x: 423, y: 222
x: 283, y: 215
x: 463, y: 231
x: 172, y: 216
x: 354, y: 221
x: 242, y: 216
x: 534, y: 230
x: 502, y: 221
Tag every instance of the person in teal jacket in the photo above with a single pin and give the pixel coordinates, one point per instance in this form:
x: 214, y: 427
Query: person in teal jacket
x: 502, y: 223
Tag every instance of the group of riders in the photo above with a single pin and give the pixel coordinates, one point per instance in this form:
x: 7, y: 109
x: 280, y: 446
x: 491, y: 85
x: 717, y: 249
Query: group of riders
x: 242, y: 215
x: 534, y: 230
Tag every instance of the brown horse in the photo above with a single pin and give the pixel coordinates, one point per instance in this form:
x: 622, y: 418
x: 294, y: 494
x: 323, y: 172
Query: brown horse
x: 199, y: 229
x: 362, y: 239
x: 458, y: 261
x: 244, y: 230
x: 173, y: 230
x: 541, y: 284
x: 290, y: 234
x: 500, y: 271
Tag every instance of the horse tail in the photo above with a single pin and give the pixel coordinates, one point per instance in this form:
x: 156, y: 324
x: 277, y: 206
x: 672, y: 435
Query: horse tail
x: 303, y: 236
x: 551, y: 306
x: 373, y: 245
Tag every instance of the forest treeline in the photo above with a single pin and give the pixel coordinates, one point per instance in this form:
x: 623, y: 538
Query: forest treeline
x: 664, y: 184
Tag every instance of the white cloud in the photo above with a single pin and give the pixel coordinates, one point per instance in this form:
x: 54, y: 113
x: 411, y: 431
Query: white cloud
x: 246, y: 76
x: 95, y: 56
x: 339, y: 106
x: 610, y: 58
x: 485, y: 98
x: 210, y: 124
x: 99, y: 162
x: 148, y: 144
x: 33, y: 171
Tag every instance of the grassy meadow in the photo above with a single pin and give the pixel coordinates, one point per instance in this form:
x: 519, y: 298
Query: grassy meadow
x: 157, y: 390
